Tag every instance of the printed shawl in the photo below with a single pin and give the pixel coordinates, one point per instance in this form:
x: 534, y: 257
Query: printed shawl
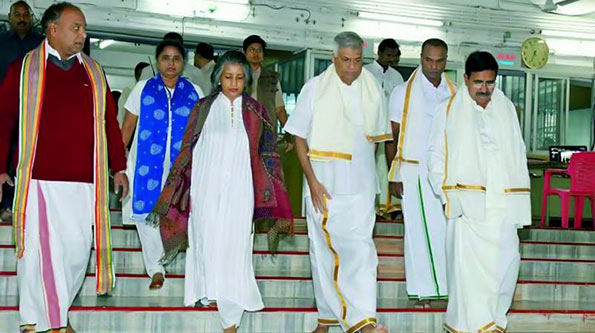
x: 153, y: 130
x: 31, y: 101
x: 271, y: 202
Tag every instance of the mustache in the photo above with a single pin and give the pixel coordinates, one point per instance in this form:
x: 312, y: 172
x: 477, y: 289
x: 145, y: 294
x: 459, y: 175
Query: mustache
x: 22, y: 23
x: 482, y: 94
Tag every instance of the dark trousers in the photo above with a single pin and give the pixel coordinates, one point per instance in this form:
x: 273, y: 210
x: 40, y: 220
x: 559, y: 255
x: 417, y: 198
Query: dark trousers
x: 7, y: 190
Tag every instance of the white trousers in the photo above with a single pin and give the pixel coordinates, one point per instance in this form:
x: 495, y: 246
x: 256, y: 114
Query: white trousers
x: 343, y: 260
x: 150, y: 238
x: 58, y: 241
x: 425, y: 230
x: 152, y: 246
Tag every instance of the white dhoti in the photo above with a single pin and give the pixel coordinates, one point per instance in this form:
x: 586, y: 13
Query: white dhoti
x: 425, y: 230
x: 385, y: 203
x: 413, y: 108
x: 219, y: 265
x: 483, y: 261
x: 343, y: 260
x: 58, y: 241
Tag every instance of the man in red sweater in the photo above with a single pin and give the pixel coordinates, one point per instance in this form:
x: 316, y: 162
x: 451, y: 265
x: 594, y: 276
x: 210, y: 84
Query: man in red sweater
x: 58, y: 101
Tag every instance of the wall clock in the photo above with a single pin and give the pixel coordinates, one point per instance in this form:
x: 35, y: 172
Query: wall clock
x: 535, y: 52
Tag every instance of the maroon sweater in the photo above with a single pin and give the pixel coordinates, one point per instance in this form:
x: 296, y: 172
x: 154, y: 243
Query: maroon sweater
x: 65, y: 146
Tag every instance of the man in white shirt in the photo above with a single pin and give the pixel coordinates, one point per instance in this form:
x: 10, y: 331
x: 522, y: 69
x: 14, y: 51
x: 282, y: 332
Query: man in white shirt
x: 478, y: 167
x: 383, y: 69
x: 339, y: 116
x: 412, y: 108
x: 389, y: 55
x: 204, y: 59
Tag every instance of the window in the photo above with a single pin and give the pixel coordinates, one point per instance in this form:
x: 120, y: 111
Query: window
x: 551, y: 104
x: 512, y: 84
x: 580, y: 113
x: 320, y: 65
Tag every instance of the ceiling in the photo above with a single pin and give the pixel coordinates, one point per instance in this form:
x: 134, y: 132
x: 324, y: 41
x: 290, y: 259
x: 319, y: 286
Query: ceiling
x: 298, y: 24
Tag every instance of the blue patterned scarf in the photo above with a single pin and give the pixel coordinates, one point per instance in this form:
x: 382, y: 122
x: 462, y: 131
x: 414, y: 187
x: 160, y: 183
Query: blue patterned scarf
x: 152, y: 136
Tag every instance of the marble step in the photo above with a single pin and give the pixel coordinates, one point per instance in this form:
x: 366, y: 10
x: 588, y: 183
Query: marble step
x: 164, y: 314
x: 295, y: 263
x: 128, y: 239
x: 558, y: 235
x: 293, y: 287
x: 127, y: 233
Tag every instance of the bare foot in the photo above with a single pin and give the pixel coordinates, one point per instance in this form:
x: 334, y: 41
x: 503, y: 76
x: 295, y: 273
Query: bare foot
x: 157, y: 281
x: 423, y: 304
x: 69, y: 329
x: 6, y: 215
x: 230, y: 329
x: 321, y: 329
x: 28, y: 329
x: 371, y: 329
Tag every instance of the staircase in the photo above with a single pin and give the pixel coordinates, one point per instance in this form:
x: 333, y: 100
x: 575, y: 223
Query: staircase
x: 555, y: 292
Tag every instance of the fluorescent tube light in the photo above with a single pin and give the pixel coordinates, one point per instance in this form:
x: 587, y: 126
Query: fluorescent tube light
x: 400, y: 19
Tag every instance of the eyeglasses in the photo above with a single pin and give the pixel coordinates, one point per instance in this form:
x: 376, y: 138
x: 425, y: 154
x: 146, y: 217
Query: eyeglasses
x: 254, y: 50
x: 488, y: 84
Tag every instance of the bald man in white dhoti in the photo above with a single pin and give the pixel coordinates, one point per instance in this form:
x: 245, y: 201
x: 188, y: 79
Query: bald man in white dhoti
x: 412, y: 108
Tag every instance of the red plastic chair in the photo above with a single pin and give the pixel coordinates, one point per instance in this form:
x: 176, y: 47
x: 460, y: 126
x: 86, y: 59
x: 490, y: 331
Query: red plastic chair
x: 582, y: 185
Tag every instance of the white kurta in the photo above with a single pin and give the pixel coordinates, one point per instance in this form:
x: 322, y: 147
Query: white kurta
x: 425, y: 225
x: 150, y: 238
x: 341, y: 241
x: 389, y: 79
x: 58, y: 241
x: 483, y: 256
x: 205, y: 83
x: 219, y: 258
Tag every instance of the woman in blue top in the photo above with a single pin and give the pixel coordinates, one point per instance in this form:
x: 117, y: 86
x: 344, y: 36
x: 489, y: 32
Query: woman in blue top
x: 158, y: 108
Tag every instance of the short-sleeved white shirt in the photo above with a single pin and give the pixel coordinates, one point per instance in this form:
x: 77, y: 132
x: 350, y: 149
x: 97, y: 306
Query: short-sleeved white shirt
x: 388, y: 79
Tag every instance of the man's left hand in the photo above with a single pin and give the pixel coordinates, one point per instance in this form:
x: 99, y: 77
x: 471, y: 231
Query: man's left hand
x: 121, y: 181
x: 288, y: 146
x: 287, y: 141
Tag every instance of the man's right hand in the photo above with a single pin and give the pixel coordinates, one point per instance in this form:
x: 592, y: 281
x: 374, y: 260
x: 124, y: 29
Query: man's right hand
x: 5, y: 179
x: 396, y: 189
x: 318, y: 193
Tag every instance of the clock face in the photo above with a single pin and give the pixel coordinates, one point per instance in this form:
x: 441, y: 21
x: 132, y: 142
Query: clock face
x: 535, y: 53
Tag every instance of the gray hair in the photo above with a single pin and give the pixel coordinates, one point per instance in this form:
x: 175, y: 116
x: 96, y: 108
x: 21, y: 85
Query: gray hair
x: 231, y: 57
x: 348, y: 39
